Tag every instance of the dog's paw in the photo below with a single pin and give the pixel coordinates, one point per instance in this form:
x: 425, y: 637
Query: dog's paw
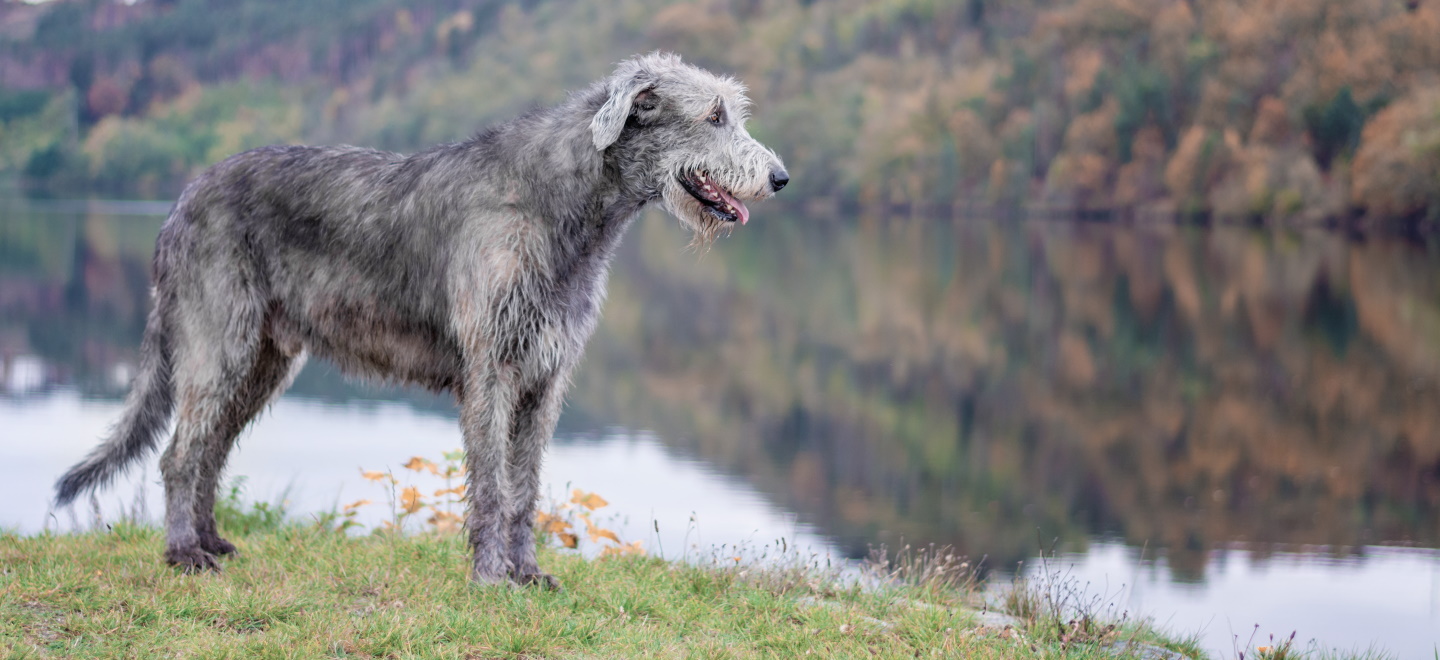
x: 216, y: 545
x: 191, y: 560
x: 487, y: 579
x: 546, y: 580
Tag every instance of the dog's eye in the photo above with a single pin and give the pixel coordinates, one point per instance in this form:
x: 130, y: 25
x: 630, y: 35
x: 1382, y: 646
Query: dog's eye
x: 716, y: 117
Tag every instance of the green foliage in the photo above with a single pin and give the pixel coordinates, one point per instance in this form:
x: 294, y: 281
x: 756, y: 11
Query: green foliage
x: 139, y: 152
x: 38, y: 140
x: 15, y: 104
x: 1023, y: 80
x: 234, y: 515
x: 1143, y: 92
x: 47, y: 162
x: 1335, y: 126
x: 153, y: 155
x: 64, y: 24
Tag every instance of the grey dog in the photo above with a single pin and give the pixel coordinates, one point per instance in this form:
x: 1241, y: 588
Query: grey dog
x: 476, y: 268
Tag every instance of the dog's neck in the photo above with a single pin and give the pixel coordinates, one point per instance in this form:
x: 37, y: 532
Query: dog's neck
x: 562, y: 156
x: 579, y: 193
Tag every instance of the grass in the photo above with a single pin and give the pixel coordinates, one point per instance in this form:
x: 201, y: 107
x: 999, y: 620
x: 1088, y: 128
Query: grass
x: 297, y: 591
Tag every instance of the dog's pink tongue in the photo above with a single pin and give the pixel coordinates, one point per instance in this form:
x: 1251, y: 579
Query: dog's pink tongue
x: 740, y: 209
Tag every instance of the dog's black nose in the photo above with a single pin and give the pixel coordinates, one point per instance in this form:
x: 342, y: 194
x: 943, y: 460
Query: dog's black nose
x: 778, y: 179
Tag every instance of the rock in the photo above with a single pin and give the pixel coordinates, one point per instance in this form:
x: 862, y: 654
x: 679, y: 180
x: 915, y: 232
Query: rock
x: 1142, y: 651
x: 995, y: 619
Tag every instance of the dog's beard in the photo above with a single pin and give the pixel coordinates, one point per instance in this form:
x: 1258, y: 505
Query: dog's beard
x: 704, y: 226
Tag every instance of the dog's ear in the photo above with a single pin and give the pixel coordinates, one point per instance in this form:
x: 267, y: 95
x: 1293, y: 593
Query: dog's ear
x: 626, y: 88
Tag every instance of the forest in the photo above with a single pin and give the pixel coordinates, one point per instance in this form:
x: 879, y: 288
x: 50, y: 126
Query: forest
x: 1282, y: 111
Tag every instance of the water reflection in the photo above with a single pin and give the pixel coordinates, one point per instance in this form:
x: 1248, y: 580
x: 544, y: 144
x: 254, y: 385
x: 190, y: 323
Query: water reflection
x: 310, y: 455
x: 1389, y: 600
x: 975, y: 382
x: 997, y: 385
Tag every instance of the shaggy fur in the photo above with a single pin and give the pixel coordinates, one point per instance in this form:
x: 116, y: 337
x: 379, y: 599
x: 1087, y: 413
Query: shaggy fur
x: 477, y: 268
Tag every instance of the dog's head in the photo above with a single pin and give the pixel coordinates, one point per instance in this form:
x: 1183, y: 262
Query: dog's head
x: 683, y: 128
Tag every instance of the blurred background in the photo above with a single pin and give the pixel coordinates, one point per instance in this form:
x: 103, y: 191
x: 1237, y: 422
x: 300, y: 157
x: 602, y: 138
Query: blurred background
x: 1151, y: 286
x: 1274, y: 109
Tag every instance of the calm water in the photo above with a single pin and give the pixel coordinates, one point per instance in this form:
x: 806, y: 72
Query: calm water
x: 1216, y: 427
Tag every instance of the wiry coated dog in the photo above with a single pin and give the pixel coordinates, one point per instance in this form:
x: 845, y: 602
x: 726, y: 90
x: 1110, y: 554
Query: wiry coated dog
x: 477, y: 268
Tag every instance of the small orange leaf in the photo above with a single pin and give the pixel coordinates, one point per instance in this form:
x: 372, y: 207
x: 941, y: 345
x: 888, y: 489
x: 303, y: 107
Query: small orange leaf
x: 374, y: 475
x: 444, y: 521
x: 596, y: 532
x: 355, y: 505
x: 590, y: 501
x: 570, y: 540
x: 623, y: 549
x: 410, y: 499
x: 551, y: 524
x: 418, y: 463
x: 458, y: 490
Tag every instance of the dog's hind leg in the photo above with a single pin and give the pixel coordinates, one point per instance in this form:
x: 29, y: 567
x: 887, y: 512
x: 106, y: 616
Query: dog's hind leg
x: 268, y: 376
x: 223, y: 361
x: 536, y: 412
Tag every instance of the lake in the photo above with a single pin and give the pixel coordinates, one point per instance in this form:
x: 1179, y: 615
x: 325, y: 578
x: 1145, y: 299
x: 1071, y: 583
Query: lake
x: 1217, y: 427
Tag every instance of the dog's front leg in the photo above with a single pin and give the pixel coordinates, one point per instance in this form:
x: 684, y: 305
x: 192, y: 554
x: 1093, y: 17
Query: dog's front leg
x: 536, y: 412
x: 486, y: 403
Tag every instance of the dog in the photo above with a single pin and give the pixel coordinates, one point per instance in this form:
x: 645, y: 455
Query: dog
x: 476, y: 268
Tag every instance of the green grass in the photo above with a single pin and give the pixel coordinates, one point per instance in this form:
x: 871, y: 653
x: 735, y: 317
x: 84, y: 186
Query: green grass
x: 304, y: 592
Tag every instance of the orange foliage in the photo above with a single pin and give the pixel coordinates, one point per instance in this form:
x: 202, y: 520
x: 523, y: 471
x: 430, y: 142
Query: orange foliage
x: 411, y: 500
x: 974, y: 142
x: 1397, y: 167
x: 1273, y: 124
x: 912, y: 102
x: 1094, y: 132
x: 1199, y: 159
x: 1138, y: 181
x: 106, y: 97
x: 1170, y: 35
x: 418, y: 463
x: 1076, y: 362
x: 1079, y: 180
x: 1083, y: 66
x: 590, y: 501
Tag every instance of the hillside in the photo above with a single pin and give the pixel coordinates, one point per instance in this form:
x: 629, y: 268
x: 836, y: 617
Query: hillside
x: 1276, y: 109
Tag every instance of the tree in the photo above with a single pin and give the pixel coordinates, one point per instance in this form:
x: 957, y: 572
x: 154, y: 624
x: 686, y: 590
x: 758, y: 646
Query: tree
x: 1335, y: 127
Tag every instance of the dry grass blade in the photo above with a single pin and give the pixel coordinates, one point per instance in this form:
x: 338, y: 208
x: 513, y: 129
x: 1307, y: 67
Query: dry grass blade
x: 933, y: 568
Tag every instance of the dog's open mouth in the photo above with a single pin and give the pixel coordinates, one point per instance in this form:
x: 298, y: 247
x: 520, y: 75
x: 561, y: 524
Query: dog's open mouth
x: 716, y: 200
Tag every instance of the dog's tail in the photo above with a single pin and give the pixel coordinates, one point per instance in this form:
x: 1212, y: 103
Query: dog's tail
x: 147, y: 412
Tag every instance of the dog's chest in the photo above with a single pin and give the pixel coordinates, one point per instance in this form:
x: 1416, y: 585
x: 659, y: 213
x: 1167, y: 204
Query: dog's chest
x: 540, y: 322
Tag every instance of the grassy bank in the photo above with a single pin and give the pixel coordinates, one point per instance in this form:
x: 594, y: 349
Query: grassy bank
x: 306, y: 592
